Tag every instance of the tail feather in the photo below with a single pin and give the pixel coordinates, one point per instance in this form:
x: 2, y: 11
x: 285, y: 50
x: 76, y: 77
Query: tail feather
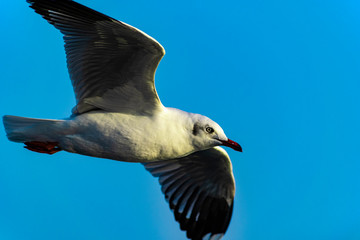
x: 22, y: 129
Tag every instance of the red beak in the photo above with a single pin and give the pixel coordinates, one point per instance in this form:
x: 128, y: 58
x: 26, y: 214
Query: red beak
x: 232, y: 144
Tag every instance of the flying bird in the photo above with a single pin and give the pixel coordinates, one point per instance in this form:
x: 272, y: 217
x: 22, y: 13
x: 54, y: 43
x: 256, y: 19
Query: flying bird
x: 118, y: 115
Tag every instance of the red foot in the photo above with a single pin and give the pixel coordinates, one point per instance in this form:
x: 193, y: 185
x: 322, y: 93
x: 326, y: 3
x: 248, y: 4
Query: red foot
x: 43, y: 147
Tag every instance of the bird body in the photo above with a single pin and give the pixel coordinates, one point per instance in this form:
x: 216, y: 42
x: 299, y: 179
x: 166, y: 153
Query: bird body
x: 118, y: 115
x: 127, y: 137
x: 120, y: 136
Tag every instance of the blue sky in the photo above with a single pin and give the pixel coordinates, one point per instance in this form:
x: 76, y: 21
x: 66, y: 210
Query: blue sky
x: 280, y: 77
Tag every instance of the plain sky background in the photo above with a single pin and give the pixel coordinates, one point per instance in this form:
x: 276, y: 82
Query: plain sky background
x: 281, y: 77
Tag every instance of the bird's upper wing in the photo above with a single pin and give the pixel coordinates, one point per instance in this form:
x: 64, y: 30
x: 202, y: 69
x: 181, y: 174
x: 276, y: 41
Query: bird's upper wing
x: 200, y: 190
x: 111, y: 64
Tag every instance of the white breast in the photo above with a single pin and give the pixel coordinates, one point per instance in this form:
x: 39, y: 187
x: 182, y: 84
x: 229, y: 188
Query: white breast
x: 130, y: 138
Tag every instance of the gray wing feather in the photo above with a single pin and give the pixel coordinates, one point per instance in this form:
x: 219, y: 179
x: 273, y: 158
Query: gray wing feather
x: 111, y: 64
x: 200, y: 190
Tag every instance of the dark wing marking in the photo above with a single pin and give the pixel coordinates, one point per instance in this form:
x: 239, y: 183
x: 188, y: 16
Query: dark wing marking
x: 111, y: 64
x: 200, y: 190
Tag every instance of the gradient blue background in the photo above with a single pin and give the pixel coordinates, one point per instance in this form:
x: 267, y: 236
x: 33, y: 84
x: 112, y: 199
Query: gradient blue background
x: 281, y: 77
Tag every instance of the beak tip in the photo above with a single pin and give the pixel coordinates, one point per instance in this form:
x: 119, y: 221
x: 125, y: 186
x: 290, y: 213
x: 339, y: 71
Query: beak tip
x: 233, y: 145
x: 238, y: 148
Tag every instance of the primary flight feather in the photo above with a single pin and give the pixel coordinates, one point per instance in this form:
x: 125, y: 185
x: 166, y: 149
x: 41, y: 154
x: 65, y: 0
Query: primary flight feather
x: 118, y: 115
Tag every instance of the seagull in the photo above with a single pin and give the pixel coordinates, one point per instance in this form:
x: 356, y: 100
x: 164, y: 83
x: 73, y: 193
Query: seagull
x: 119, y: 116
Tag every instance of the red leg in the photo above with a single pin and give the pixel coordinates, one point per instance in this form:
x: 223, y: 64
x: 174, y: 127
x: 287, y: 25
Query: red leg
x: 43, y: 147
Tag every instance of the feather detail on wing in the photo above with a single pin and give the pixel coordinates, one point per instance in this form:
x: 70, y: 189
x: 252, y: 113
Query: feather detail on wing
x: 111, y: 64
x: 200, y: 190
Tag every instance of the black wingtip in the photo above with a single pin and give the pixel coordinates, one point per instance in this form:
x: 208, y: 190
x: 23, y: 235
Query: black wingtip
x: 67, y: 7
x: 203, y: 206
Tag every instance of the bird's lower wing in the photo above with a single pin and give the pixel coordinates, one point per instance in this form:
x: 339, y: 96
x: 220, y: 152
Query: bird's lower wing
x: 200, y: 190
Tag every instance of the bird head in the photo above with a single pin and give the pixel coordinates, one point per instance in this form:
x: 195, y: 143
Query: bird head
x: 207, y: 133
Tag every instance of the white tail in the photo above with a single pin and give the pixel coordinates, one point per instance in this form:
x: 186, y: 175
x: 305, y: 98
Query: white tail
x: 22, y: 129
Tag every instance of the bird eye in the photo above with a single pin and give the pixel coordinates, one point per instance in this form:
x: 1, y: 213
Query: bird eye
x: 209, y: 129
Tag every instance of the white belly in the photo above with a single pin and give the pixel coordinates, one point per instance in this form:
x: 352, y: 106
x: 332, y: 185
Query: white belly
x: 125, y: 137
